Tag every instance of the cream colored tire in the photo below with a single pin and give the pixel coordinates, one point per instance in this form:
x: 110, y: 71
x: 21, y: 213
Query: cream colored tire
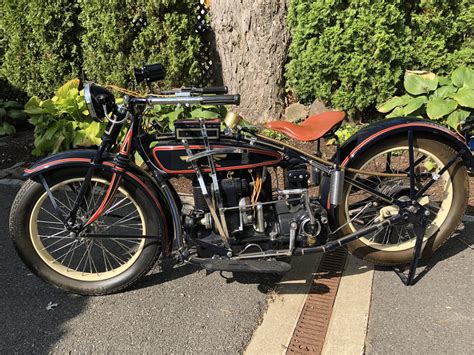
x: 456, y: 197
x: 94, y: 280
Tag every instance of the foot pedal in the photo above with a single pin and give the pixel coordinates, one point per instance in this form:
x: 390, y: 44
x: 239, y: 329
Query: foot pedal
x: 254, y: 266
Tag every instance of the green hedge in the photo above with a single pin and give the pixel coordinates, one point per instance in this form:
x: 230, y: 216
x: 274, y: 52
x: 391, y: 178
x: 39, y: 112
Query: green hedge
x: 41, y: 44
x: 148, y: 31
x: 353, y: 54
x: 49, y: 42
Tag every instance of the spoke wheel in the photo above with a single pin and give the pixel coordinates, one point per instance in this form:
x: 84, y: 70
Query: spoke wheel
x: 78, y: 256
x: 445, y: 199
x: 74, y: 261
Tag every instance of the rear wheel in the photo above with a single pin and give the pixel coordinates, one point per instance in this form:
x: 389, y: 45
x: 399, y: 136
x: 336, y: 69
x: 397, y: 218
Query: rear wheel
x: 446, y: 199
x: 75, y: 262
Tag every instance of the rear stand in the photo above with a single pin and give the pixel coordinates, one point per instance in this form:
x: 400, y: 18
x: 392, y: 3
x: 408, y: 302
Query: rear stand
x: 409, y: 278
x: 417, y: 220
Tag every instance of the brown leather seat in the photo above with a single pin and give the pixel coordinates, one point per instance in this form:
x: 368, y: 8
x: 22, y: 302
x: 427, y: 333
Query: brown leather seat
x: 314, y: 127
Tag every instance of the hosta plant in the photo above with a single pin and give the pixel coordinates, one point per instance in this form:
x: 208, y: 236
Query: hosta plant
x: 62, y: 122
x: 11, y: 113
x: 448, y: 100
x: 166, y: 115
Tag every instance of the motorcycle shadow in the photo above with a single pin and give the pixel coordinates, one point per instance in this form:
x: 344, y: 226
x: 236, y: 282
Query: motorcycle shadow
x: 463, y: 239
x: 301, y: 278
x: 167, y: 271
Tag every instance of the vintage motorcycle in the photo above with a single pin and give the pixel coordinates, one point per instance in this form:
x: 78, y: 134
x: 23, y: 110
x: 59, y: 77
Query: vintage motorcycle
x: 93, y: 222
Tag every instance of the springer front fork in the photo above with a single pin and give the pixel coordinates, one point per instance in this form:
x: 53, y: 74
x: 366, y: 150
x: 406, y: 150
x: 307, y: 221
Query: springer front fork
x: 120, y: 165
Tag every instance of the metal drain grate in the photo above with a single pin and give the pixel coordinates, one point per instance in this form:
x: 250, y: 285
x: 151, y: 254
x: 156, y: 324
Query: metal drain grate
x: 310, y: 331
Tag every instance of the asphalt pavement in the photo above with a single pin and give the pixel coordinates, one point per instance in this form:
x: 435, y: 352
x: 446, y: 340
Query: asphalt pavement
x: 436, y: 315
x: 180, y: 309
x: 172, y: 310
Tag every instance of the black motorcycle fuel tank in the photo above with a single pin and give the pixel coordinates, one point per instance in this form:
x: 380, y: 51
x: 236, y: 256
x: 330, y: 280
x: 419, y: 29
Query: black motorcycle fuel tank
x: 171, y: 157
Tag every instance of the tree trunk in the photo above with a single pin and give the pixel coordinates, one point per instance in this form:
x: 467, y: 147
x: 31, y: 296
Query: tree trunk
x: 251, y: 38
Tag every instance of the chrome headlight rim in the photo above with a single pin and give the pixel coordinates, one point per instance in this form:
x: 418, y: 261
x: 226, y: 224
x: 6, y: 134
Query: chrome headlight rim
x: 89, y: 101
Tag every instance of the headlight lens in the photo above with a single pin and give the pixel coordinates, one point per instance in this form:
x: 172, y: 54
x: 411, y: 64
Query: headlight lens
x: 99, y: 100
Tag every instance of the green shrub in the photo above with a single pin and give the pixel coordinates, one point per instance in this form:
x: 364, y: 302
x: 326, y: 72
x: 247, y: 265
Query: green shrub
x: 11, y: 113
x: 40, y: 44
x: 123, y: 35
x: 352, y: 54
x: 449, y: 100
x: 45, y: 43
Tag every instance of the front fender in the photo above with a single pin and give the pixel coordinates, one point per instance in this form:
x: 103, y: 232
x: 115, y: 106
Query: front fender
x: 138, y: 176
x: 367, y: 137
x: 70, y: 158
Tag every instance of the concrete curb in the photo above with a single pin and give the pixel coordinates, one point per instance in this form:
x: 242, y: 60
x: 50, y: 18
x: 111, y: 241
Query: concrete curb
x: 284, y: 308
x: 348, y: 326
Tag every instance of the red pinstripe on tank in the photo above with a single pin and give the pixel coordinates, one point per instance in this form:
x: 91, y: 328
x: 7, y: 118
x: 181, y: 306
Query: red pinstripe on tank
x: 275, y: 155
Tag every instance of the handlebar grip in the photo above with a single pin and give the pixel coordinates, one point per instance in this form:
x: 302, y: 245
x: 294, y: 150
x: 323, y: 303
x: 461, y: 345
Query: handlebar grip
x: 218, y: 90
x: 221, y: 100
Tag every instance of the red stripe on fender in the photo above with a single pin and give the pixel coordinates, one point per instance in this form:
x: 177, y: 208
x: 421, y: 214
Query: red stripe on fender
x: 56, y: 162
x: 388, y: 129
x: 375, y: 135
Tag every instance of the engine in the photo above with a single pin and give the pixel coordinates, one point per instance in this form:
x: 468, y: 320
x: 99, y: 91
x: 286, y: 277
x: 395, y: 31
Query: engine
x: 257, y: 215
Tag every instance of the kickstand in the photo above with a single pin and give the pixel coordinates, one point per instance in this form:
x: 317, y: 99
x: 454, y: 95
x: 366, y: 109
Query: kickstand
x: 408, y: 279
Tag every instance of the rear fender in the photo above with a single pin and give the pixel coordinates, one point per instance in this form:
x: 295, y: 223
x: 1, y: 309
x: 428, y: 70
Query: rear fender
x: 135, y: 174
x: 369, y: 136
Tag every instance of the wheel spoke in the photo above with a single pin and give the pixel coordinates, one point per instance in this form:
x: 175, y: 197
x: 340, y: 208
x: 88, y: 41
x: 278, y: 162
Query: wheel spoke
x: 62, y: 247
x: 125, y: 248
x: 425, y: 162
x: 122, y: 220
x: 76, y: 255
x: 52, y: 215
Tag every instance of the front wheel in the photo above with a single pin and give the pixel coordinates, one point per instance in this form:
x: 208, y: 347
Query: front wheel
x: 446, y: 199
x: 75, y: 262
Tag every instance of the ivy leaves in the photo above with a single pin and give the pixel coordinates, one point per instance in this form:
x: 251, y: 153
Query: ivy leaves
x: 449, y: 100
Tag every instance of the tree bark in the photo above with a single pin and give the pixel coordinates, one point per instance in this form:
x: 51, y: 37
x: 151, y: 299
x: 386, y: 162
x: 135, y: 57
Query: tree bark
x: 251, y: 39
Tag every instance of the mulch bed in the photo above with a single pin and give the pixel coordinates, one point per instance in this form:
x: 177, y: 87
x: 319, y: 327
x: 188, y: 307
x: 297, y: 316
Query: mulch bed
x: 17, y: 148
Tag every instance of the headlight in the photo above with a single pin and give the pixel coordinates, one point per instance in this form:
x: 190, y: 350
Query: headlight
x: 100, y: 101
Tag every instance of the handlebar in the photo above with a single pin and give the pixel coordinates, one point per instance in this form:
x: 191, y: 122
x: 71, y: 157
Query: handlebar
x: 216, y: 90
x: 189, y: 100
